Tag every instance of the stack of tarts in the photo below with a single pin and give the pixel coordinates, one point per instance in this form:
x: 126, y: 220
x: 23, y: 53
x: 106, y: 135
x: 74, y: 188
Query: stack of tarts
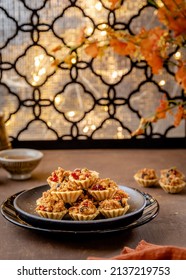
x: 82, y: 195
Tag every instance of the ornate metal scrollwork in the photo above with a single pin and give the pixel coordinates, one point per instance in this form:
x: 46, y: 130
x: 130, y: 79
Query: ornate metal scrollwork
x: 95, y: 103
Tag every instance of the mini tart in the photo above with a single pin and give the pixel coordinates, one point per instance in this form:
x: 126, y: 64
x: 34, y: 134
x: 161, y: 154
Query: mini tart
x: 49, y: 206
x: 111, y: 208
x: 57, y: 177
x: 85, y: 210
x: 120, y: 194
x: 103, y: 189
x: 146, y: 177
x: 172, y: 172
x: 83, y: 177
x: 172, y: 185
x: 68, y: 192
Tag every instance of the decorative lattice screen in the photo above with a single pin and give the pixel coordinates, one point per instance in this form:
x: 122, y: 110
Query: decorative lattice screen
x: 96, y: 102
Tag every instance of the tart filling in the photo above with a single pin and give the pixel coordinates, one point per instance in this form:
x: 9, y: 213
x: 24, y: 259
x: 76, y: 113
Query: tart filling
x: 85, y: 210
x: 172, y: 184
x: 83, y: 177
x: 57, y: 177
x: 172, y: 172
x: 120, y: 194
x: 111, y: 208
x: 146, y: 177
x: 50, y: 206
x: 103, y: 189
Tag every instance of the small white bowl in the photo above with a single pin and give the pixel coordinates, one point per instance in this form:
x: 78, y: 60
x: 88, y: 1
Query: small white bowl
x: 20, y: 162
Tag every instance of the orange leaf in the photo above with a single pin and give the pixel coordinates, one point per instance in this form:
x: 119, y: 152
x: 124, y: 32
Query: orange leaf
x: 178, y: 116
x: 156, y: 63
x: 184, y: 114
x: 55, y: 62
x: 172, y: 5
x: 151, y: 48
x: 57, y: 48
x: 173, y: 15
x: 114, y: 4
x: 92, y: 49
x: 162, y: 108
x: 81, y: 38
x: 181, y: 74
x: 122, y: 48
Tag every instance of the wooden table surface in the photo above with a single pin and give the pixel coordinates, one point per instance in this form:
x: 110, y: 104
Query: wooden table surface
x: 168, y: 228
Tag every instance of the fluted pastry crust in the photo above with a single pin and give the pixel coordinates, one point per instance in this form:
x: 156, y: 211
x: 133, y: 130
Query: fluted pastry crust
x: 146, y: 177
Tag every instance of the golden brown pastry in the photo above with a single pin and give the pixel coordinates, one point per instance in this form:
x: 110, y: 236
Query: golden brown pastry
x: 50, y: 206
x: 146, y: 177
x: 85, y: 210
x: 111, y: 208
x: 103, y: 189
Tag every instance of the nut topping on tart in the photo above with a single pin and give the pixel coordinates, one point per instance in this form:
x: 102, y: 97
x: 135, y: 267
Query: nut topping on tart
x: 85, y: 210
x: 146, y: 177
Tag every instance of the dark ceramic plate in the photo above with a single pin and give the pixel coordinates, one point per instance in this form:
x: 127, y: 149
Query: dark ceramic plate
x: 25, y: 204
x: 150, y: 211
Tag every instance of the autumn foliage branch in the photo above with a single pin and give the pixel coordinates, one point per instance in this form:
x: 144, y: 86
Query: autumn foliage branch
x: 151, y: 45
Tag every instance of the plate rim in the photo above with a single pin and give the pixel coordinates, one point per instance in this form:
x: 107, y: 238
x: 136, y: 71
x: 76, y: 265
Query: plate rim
x: 134, y: 224
x: 72, y: 222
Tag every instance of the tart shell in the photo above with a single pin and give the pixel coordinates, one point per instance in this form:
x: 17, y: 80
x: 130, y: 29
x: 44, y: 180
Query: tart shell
x: 102, y: 195
x: 114, y: 212
x: 172, y: 189
x: 146, y: 183
x: 68, y: 196
x: 52, y: 215
x: 81, y: 217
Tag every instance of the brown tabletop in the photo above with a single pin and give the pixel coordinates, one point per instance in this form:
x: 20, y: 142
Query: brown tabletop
x: 168, y: 228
